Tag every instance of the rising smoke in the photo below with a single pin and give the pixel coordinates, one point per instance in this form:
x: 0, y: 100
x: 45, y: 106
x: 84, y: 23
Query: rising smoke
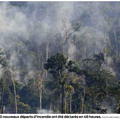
x: 21, y: 22
x: 39, y: 22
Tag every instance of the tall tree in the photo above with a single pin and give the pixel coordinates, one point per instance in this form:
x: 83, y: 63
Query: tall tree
x: 56, y: 65
x: 3, y: 64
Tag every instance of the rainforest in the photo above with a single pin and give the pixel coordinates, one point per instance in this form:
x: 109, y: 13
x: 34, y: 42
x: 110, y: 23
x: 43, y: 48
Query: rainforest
x: 59, y: 57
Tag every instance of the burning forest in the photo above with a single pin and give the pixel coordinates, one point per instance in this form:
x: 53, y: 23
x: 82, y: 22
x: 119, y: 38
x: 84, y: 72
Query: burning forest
x: 60, y: 57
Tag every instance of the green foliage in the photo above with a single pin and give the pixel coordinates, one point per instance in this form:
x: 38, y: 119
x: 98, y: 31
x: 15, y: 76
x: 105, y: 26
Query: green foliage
x: 2, y: 58
x: 89, y: 81
x: 56, y: 64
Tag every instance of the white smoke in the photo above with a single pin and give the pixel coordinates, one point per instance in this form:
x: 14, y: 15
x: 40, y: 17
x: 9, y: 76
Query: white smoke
x: 41, y: 21
x: 43, y: 111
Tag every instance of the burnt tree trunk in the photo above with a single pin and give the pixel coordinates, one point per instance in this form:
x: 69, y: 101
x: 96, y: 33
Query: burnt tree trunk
x: 63, y: 96
x: 15, y: 95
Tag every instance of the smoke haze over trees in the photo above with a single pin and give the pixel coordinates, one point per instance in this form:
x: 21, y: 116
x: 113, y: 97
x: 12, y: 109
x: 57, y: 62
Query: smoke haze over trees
x: 86, y: 34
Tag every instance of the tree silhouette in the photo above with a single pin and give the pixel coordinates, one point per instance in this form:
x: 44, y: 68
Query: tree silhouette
x: 56, y: 65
